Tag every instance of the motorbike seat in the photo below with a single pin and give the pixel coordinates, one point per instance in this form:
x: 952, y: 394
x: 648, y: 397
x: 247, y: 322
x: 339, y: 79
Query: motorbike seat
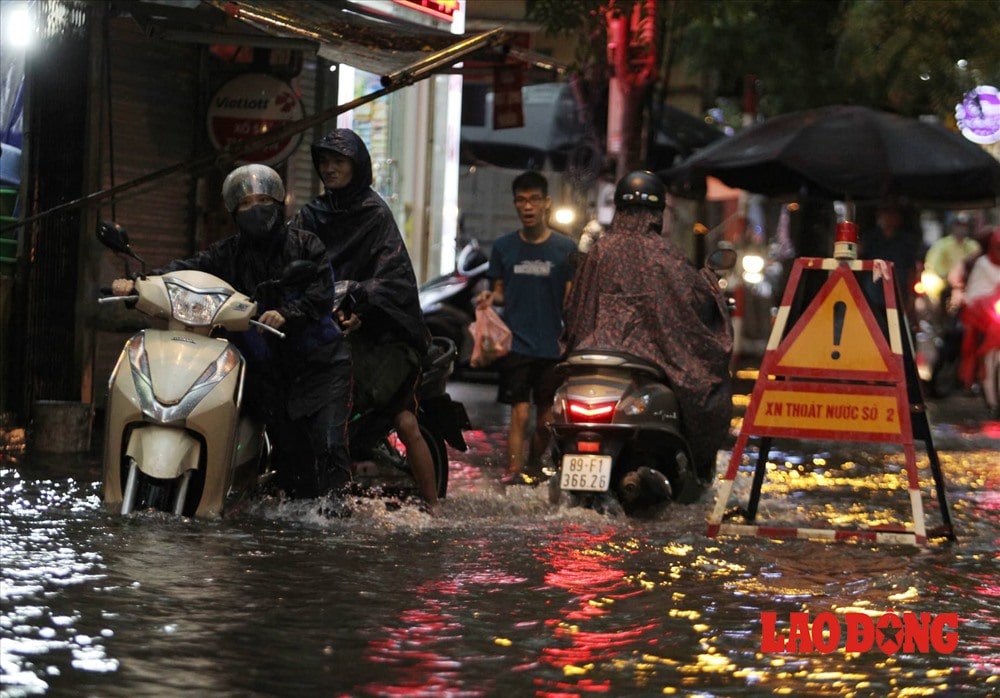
x: 437, y: 364
x: 609, y: 358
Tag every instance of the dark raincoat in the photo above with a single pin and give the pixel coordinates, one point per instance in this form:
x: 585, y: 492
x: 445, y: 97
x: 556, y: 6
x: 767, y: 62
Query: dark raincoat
x: 365, y: 246
x: 636, y: 292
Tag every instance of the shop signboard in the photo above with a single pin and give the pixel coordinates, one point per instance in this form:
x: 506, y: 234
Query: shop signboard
x: 250, y: 105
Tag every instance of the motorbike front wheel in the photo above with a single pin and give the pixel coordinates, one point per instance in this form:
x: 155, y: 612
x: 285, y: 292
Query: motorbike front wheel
x: 145, y: 493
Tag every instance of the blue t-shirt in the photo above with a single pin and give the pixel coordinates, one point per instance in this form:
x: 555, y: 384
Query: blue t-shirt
x: 534, y: 278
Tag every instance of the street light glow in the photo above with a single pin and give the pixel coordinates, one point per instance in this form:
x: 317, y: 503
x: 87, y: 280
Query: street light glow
x: 18, y: 29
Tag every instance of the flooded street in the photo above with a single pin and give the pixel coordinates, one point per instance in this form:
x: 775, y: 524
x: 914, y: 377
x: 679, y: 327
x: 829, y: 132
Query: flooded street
x: 502, y: 595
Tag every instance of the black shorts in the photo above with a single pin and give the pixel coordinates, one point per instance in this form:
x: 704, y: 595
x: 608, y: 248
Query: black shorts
x: 386, y: 377
x: 527, y: 379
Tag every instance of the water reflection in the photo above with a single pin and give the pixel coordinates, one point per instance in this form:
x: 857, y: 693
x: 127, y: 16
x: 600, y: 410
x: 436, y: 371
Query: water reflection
x: 502, y: 595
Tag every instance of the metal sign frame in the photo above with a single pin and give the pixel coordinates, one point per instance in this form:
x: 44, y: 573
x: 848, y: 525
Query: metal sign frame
x: 860, y: 387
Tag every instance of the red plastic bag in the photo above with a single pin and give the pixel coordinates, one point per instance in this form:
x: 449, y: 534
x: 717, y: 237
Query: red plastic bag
x: 491, y: 338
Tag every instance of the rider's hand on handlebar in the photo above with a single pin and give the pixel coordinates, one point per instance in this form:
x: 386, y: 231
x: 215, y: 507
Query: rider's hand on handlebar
x: 271, y: 318
x: 348, y: 323
x: 122, y: 287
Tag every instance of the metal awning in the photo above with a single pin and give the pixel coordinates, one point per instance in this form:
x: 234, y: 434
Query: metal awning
x: 348, y: 33
x: 408, y: 56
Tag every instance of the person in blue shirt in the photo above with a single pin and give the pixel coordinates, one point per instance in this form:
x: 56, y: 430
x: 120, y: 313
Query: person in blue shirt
x: 530, y: 271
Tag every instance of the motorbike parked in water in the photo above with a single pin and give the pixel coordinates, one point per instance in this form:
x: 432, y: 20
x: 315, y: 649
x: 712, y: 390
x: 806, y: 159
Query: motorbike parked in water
x: 377, y: 453
x: 176, y: 439
x: 619, y: 442
x: 448, y: 302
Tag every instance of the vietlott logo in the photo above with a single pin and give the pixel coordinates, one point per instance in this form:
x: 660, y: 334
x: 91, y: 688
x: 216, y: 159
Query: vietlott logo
x: 858, y: 632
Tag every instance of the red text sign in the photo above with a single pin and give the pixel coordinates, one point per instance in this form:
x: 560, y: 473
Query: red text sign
x: 859, y: 632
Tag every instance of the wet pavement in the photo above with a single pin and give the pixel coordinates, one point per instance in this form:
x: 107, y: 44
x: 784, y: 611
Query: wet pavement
x: 502, y: 594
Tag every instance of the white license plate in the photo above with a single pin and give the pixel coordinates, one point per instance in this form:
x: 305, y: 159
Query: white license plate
x: 585, y: 472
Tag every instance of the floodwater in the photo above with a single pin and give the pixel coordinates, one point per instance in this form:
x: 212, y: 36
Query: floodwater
x: 501, y: 595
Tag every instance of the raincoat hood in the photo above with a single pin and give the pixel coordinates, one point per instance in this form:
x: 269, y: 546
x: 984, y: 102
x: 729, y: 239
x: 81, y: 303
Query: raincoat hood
x: 364, y: 245
x: 349, y: 144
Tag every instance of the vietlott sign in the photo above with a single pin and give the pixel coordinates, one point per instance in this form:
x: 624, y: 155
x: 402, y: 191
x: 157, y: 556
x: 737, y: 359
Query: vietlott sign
x: 251, y: 105
x: 859, y: 632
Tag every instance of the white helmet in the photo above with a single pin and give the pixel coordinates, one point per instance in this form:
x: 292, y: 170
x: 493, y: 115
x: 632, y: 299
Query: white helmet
x: 251, y: 179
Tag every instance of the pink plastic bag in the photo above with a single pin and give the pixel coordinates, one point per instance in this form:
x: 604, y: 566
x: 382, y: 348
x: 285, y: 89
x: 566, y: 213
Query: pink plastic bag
x: 491, y: 338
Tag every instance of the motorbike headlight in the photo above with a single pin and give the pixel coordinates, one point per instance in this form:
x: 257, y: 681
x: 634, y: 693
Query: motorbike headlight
x: 930, y: 284
x: 753, y: 269
x: 564, y: 215
x: 633, y: 405
x: 194, y: 307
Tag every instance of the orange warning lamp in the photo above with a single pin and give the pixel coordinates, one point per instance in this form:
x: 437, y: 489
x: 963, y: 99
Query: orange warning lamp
x: 845, y: 244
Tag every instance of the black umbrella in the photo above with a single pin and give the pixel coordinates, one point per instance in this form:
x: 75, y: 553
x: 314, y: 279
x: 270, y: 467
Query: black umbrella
x: 847, y: 153
x: 676, y: 134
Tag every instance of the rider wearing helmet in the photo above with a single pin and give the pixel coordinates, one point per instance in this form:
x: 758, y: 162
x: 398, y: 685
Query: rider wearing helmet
x: 299, y: 386
x: 637, y: 292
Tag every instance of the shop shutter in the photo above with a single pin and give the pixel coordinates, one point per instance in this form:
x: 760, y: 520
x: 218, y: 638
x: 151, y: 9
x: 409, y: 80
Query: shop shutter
x: 156, y: 122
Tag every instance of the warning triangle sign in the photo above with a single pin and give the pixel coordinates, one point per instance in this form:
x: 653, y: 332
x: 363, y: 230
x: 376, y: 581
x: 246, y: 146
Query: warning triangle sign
x: 837, y: 336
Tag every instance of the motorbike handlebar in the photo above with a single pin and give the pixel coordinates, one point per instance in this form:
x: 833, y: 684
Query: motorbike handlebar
x: 117, y: 299
x: 256, y: 323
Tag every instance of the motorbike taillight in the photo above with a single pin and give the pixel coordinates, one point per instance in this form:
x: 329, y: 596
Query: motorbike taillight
x: 580, y: 412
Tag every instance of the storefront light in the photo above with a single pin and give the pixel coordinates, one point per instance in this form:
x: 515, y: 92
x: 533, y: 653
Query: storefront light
x: 18, y: 25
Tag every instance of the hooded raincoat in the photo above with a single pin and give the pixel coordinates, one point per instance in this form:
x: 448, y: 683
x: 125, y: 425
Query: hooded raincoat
x: 636, y: 292
x: 365, y: 246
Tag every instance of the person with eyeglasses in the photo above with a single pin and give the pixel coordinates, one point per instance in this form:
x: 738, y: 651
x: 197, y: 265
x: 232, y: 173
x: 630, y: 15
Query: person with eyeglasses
x: 530, y: 271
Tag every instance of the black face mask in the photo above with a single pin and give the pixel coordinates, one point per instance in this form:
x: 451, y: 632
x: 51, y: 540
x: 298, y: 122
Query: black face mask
x: 260, y: 222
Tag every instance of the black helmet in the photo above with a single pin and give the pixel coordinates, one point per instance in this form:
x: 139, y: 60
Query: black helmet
x: 641, y: 188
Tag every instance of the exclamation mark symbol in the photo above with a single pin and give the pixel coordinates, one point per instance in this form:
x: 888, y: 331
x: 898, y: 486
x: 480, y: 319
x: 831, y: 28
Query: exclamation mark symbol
x: 839, y: 311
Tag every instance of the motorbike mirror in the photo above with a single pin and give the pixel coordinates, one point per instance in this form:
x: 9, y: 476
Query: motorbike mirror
x: 471, y: 259
x: 301, y: 272
x: 723, y: 258
x: 113, y: 236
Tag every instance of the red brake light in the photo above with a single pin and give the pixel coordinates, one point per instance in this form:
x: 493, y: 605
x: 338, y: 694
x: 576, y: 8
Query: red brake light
x: 601, y: 413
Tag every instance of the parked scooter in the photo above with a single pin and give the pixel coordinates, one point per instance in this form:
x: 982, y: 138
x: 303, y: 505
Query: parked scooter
x: 176, y: 439
x: 378, y: 455
x: 449, y: 301
x: 619, y: 441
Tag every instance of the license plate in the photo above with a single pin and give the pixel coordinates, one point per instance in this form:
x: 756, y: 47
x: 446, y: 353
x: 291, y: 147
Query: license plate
x: 585, y: 472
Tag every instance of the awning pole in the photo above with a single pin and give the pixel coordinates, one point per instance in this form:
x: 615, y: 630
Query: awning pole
x: 447, y: 56
x: 396, y: 81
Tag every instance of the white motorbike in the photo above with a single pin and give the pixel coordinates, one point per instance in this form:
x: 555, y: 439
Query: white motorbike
x: 176, y: 439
